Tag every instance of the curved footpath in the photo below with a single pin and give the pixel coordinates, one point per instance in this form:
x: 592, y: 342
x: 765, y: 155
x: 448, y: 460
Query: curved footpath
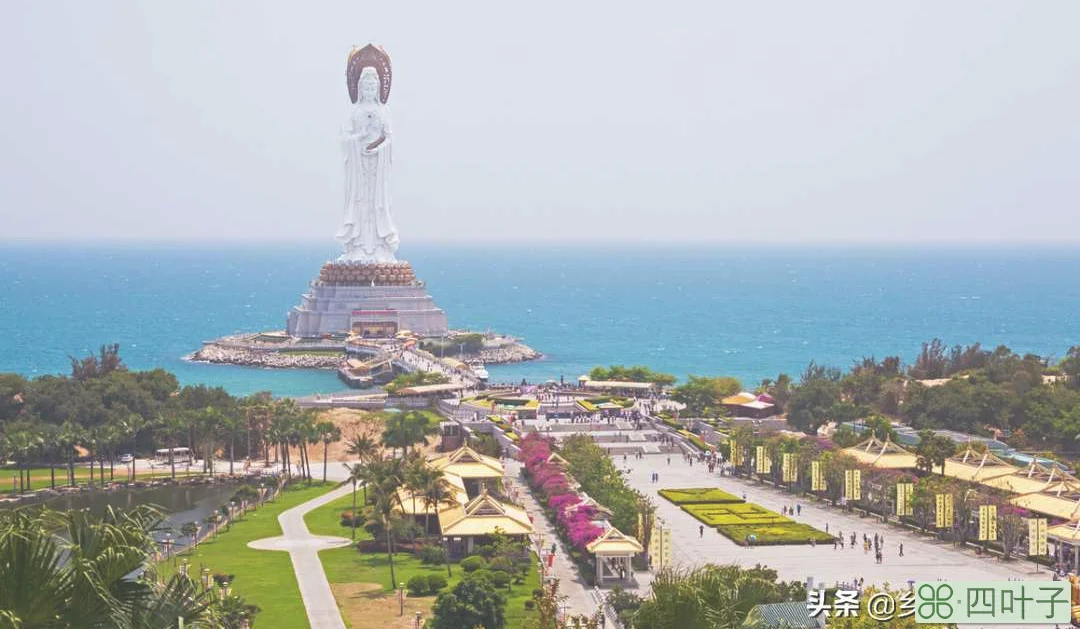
x: 303, y: 549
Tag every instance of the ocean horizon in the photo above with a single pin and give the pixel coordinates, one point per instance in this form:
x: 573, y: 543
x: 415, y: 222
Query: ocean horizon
x: 747, y: 310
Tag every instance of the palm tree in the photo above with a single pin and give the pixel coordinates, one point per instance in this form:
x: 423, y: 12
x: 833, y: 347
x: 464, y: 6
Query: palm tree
x: 328, y: 433
x: 385, y: 475
x: 363, y: 447
x: 73, y: 569
x: 435, y: 491
x: 132, y: 425
x: 69, y: 436
x: 707, y: 597
x: 356, y: 474
x: 174, y: 425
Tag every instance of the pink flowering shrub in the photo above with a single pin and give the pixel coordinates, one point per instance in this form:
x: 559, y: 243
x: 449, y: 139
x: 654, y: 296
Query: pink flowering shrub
x: 570, y: 515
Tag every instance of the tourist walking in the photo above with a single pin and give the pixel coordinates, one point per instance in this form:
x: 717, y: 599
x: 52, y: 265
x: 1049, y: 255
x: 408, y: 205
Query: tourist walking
x: 901, y: 549
x: 701, y: 530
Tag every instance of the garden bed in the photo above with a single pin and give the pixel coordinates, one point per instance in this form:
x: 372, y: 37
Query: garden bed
x: 698, y: 495
x: 737, y: 519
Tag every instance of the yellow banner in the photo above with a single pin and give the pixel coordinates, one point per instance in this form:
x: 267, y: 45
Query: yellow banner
x: 853, y: 484
x: 943, y: 514
x: 1037, y: 536
x: 735, y: 453
x: 817, y: 479
x: 982, y: 523
x: 904, y: 492
x: 991, y: 523
x: 790, y: 468
x: 762, y: 464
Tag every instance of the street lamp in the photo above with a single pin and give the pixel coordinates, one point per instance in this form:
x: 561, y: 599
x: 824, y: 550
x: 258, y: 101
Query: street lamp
x: 401, y: 599
x: 167, y: 543
x: 206, y: 578
x: 184, y: 567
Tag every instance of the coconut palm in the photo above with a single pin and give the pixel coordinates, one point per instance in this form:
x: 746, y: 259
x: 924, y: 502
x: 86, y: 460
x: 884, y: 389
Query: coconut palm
x: 385, y: 475
x: 67, y: 438
x: 67, y: 570
x: 328, y: 433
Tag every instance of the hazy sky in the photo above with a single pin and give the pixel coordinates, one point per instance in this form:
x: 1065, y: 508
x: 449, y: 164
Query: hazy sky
x: 796, y: 121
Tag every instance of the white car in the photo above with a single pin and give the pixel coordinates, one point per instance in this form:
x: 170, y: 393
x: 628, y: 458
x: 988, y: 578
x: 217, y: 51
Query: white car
x: 127, y: 458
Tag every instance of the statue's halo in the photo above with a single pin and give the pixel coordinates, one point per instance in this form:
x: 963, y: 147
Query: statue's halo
x: 369, y: 56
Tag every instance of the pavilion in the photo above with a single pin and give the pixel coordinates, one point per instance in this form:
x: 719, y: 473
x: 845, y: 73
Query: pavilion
x: 613, y: 551
x: 473, y: 468
x: 462, y: 525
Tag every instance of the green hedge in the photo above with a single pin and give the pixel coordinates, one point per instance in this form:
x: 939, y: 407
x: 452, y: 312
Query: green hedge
x: 774, y: 534
x: 742, y: 513
x: 699, y: 496
x: 671, y: 423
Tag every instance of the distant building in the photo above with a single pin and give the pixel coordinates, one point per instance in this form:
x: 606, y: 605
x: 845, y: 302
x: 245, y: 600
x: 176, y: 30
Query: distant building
x: 749, y: 405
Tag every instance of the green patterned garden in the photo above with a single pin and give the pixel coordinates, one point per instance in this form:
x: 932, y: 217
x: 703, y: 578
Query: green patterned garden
x: 741, y: 521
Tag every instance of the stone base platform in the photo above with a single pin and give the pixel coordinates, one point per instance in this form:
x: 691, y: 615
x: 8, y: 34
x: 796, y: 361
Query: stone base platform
x: 373, y: 300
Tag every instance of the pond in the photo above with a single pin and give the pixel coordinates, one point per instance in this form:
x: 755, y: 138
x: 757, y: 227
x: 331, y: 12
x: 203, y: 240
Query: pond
x: 181, y: 503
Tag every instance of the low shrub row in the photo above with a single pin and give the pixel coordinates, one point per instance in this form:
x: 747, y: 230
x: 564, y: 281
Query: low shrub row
x: 741, y: 513
x: 699, y: 495
x: 424, y: 584
x: 774, y: 534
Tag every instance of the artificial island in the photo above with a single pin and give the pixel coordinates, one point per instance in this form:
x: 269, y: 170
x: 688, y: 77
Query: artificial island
x: 367, y: 314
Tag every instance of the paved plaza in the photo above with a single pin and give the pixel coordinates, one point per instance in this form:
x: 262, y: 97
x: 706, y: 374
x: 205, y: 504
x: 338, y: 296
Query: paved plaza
x: 924, y: 559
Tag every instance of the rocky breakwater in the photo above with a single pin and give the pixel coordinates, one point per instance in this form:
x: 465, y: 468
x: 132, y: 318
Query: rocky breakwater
x: 511, y: 353
x: 273, y: 359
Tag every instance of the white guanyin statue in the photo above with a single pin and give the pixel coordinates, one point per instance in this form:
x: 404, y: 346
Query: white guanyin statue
x: 369, y: 234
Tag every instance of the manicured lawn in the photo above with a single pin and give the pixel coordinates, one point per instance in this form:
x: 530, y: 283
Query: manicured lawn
x: 702, y: 495
x: 326, y: 520
x: 347, y: 565
x: 769, y: 534
x: 740, y: 513
x: 264, y: 578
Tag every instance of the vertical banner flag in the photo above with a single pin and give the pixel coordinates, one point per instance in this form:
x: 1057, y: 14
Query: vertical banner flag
x: 991, y: 523
x: 1037, y: 537
x: 762, y: 463
x: 943, y: 514
x: 790, y: 468
x: 853, y: 484
x: 735, y: 453
x: 982, y: 523
x: 817, y: 481
x: 904, y: 492
x: 665, y: 546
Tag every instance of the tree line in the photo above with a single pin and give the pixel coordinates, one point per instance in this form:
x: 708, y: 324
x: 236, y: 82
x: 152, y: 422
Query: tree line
x: 103, y: 409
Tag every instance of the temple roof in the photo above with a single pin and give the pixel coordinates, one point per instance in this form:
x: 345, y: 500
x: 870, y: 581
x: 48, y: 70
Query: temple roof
x: 1036, y: 477
x: 456, y: 496
x: 614, y: 542
x: 484, y: 515
x: 467, y: 463
x: 882, y: 454
x: 974, y: 466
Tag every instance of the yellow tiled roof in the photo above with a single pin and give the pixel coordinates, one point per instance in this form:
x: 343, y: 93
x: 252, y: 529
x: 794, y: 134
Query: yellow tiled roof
x: 1067, y: 508
x: 1034, y: 478
x: 455, y: 489
x: 882, y: 454
x: 973, y: 466
x: 613, y: 541
x: 467, y: 463
x: 483, y: 516
x: 740, y: 398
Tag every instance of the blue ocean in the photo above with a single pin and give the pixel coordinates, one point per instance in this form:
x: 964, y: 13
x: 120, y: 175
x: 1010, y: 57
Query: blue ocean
x: 751, y: 312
